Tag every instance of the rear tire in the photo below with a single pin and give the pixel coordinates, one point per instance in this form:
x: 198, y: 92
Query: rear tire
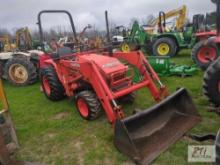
x: 164, y: 47
x: 20, y: 71
x: 52, y: 87
x: 200, y: 52
x: 88, y: 105
x: 211, y: 83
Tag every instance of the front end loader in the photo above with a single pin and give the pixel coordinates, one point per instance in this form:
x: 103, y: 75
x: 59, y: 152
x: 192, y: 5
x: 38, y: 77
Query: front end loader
x: 99, y: 81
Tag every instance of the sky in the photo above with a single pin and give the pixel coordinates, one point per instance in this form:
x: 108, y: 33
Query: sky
x: 21, y: 13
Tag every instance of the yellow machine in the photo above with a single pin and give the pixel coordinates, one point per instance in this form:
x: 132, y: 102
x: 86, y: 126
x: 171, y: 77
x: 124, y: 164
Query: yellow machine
x: 19, y: 59
x: 23, y: 35
x: 180, y: 13
x: 8, y: 138
x: 6, y: 43
x: 23, y: 41
x: 7, y: 130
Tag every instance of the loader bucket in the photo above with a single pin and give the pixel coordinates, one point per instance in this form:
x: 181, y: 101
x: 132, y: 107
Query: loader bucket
x: 147, y: 134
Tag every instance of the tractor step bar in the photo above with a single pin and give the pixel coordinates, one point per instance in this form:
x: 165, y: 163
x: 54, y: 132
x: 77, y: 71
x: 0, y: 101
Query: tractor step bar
x: 147, y: 134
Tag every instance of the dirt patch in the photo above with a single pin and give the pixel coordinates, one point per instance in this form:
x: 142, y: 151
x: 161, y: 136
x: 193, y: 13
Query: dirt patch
x: 61, y: 115
x: 80, y: 153
x: 51, y: 135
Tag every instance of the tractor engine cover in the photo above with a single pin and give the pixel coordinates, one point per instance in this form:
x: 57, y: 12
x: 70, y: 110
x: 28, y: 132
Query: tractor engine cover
x: 113, y: 71
x: 108, y: 65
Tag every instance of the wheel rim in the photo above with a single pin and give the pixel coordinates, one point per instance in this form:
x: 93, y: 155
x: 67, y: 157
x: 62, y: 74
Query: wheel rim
x: 206, y: 54
x: 125, y: 48
x: 83, y: 108
x: 46, y: 85
x: 18, y: 73
x: 163, y: 49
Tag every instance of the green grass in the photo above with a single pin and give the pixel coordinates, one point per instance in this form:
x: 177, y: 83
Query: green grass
x: 71, y: 140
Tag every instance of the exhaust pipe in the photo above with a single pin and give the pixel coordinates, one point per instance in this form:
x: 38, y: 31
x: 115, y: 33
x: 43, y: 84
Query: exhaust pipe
x: 145, y: 135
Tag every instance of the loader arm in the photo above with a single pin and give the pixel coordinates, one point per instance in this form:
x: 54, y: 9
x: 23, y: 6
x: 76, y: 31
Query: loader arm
x: 137, y: 35
x: 90, y: 72
x: 138, y: 60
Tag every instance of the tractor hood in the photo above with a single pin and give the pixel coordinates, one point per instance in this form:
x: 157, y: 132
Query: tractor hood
x: 107, y: 64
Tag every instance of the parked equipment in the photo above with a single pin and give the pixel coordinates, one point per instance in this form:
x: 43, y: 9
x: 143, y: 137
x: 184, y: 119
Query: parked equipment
x: 211, y: 83
x: 164, y: 67
x: 6, y: 44
x: 22, y: 42
x: 205, y: 51
x: 7, y: 128
x: 99, y: 81
x: 120, y: 35
x: 168, y: 43
x: 180, y: 13
x: 8, y: 137
x: 18, y: 62
x: 69, y: 41
x: 138, y: 39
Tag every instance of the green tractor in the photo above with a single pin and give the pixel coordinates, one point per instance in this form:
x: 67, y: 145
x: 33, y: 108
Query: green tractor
x: 169, y: 42
x: 165, y: 42
x: 137, y: 39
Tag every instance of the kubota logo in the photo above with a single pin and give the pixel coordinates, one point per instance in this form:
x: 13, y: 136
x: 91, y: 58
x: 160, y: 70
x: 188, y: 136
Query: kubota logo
x: 75, y: 65
x: 112, y: 64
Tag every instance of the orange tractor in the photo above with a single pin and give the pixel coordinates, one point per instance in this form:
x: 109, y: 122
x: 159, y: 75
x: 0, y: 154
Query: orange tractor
x: 205, y: 52
x: 99, y: 81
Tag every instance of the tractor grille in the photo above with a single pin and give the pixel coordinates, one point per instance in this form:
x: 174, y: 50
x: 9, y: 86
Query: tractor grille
x: 119, y: 81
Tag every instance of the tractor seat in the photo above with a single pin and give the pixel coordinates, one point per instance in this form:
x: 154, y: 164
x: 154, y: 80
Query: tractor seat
x: 61, y: 52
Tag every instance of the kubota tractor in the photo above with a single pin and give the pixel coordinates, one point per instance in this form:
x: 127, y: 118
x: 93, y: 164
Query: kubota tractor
x: 99, y: 81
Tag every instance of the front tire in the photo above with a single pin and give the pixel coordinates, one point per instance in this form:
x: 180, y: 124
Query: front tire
x: 52, y: 87
x: 20, y: 71
x: 164, y: 47
x: 203, y: 55
x: 88, y: 105
x: 129, y: 98
x: 211, y: 83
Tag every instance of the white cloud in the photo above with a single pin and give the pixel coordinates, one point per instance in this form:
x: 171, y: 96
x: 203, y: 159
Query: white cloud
x: 19, y: 13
